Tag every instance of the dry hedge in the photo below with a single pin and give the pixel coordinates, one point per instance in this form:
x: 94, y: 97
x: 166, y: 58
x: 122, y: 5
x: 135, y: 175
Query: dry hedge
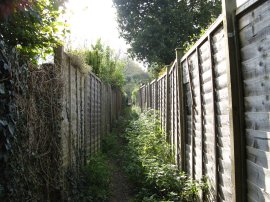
x: 34, y: 168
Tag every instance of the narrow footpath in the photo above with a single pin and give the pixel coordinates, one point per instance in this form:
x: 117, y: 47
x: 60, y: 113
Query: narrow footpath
x: 121, y: 190
x: 121, y: 187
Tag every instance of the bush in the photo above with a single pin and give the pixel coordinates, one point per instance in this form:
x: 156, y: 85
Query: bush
x: 95, y: 180
x: 149, y: 163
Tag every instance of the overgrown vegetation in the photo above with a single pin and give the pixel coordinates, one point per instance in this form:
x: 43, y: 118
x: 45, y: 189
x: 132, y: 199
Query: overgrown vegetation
x: 10, y: 81
x: 147, y: 160
x: 31, y: 26
x: 102, y: 61
x: 77, y: 59
x: 94, y: 180
x: 33, y: 170
x: 106, y: 64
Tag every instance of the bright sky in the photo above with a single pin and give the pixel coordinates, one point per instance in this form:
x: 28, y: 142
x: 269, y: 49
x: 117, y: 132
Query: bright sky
x: 240, y: 2
x: 93, y: 19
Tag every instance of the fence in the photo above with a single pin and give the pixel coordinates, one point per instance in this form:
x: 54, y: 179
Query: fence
x: 89, y: 110
x: 214, y: 104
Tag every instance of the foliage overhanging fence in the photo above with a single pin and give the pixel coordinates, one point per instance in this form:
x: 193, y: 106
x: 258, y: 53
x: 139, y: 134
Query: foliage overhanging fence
x: 214, y: 104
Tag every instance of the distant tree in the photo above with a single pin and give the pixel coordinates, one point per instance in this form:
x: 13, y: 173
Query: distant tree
x: 154, y: 28
x: 94, y: 57
x: 134, y: 76
x: 30, y: 25
x: 105, y: 64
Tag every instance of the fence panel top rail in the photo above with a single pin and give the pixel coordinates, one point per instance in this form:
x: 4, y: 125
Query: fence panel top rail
x: 209, y: 31
x: 143, y: 86
x: 241, y: 10
x: 95, y: 76
x: 162, y: 76
x: 153, y: 81
x: 172, y: 66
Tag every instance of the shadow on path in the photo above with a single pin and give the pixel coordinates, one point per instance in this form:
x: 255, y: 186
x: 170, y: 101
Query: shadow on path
x: 121, y: 190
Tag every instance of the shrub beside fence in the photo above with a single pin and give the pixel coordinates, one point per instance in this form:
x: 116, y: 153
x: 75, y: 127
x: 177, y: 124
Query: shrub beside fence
x: 213, y: 104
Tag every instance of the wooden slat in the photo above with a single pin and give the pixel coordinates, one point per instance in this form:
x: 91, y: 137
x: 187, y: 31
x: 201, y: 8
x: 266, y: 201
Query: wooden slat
x: 251, y: 4
x: 192, y: 117
x: 201, y: 130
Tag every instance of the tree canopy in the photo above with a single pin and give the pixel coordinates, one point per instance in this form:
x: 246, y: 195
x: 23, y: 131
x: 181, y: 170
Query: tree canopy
x: 30, y: 25
x: 154, y: 28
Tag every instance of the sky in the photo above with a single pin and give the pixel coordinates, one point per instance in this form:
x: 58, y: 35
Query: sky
x: 240, y: 2
x: 92, y: 19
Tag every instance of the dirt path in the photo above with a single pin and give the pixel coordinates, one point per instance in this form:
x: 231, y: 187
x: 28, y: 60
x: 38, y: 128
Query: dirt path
x: 120, y: 187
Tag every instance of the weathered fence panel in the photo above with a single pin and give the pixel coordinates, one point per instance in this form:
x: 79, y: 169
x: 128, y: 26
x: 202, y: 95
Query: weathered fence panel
x: 89, y: 110
x: 162, y: 100
x: 254, y: 34
x: 216, y: 96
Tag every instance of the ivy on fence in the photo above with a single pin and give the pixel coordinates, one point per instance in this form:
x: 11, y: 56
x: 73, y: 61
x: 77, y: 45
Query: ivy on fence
x: 12, y: 80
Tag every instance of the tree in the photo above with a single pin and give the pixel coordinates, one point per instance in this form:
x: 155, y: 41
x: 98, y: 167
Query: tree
x: 105, y: 64
x: 30, y: 25
x: 134, y: 76
x: 154, y: 28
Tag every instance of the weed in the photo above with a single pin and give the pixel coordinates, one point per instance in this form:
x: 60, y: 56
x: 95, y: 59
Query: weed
x: 95, y: 180
x: 148, y: 161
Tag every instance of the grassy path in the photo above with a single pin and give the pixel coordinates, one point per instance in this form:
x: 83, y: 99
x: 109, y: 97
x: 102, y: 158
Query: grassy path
x: 121, y: 189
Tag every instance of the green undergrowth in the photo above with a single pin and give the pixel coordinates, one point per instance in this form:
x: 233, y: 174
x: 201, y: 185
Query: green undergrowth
x: 94, y: 183
x: 99, y: 176
x: 139, y: 146
x: 146, y: 158
x: 95, y: 177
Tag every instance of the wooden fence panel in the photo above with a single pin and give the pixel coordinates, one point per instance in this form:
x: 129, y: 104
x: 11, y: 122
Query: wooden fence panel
x: 142, y: 98
x: 222, y: 103
x: 99, y: 131
x: 188, y: 109
x: 73, y: 114
x: 207, y: 126
x: 158, y: 96
x: 208, y: 111
x: 80, y: 119
x: 103, y: 110
x: 222, y: 117
x: 92, y: 115
x: 254, y: 35
x: 174, y: 111
x: 87, y: 111
x: 66, y: 106
x: 152, y: 94
x: 164, y: 102
x: 195, y: 115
